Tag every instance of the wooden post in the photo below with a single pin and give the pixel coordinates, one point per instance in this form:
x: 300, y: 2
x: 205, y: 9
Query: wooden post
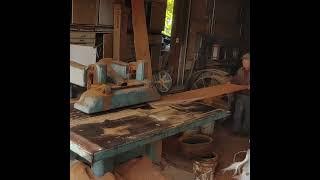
x: 98, y: 168
x: 101, y: 167
x: 154, y: 151
x: 120, y: 26
x: 141, y: 42
x: 107, y: 45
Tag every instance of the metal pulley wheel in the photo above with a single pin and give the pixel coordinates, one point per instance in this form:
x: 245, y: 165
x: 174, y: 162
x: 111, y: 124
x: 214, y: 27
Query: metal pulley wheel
x: 163, y: 81
x: 208, y: 78
x: 212, y: 77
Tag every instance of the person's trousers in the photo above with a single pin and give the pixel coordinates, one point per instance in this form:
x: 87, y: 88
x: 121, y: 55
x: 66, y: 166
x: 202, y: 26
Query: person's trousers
x: 241, y: 116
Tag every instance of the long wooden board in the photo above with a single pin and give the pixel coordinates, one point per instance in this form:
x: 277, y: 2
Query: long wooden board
x: 199, y: 94
x: 141, y: 42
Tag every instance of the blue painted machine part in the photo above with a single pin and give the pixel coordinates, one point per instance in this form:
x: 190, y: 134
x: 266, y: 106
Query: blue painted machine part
x: 120, y: 98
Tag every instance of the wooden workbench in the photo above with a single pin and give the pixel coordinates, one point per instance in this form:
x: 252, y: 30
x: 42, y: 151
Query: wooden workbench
x: 100, y: 137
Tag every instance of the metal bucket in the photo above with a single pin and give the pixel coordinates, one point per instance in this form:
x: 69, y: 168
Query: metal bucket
x: 204, y: 168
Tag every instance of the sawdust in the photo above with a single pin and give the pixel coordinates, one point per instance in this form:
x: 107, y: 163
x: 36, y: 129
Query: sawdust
x: 107, y: 176
x: 97, y: 90
x: 118, y: 177
x: 139, y: 169
x: 91, y: 75
x: 172, y: 173
x: 80, y: 171
x: 164, y: 115
x: 159, y: 118
x: 106, y: 116
x: 121, y: 130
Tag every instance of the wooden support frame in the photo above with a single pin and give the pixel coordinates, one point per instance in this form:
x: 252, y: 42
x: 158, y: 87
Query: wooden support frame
x: 141, y: 42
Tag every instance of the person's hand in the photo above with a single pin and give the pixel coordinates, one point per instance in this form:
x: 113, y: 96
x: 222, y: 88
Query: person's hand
x: 249, y: 87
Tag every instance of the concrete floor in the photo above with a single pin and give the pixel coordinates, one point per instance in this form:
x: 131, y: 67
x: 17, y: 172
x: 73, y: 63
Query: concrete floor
x: 225, y: 144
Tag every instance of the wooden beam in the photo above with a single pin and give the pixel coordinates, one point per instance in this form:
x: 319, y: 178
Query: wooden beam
x: 107, y: 45
x: 141, y: 42
x: 120, y: 24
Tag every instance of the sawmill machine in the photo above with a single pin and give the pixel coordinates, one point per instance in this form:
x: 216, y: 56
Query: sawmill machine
x: 111, y: 84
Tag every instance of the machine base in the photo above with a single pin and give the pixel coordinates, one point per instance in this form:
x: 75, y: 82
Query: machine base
x: 119, y: 98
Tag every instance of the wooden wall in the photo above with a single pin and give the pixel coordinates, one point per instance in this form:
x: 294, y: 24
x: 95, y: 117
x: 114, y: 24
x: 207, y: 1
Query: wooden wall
x: 227, y: 26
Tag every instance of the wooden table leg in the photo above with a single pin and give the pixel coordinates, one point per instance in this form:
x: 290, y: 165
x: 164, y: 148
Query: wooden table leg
x: 101, y: 167
x: 154, y: 151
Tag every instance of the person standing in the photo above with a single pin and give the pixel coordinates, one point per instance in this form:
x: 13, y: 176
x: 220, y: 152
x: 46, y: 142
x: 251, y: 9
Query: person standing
x: 241, y: 116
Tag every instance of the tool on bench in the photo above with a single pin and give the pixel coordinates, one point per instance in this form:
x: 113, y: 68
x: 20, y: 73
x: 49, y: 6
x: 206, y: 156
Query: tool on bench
x: 110, y: 86
x: 114, y: 84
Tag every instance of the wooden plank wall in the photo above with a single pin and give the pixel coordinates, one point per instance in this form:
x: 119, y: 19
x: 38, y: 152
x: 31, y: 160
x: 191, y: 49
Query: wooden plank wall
x: 227, y: 27
x: 228, y: 19
x: 199, y: 23
x: 177, y: 35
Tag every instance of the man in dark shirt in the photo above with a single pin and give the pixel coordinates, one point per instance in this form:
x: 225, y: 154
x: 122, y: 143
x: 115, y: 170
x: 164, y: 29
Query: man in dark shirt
x: 241, y: 116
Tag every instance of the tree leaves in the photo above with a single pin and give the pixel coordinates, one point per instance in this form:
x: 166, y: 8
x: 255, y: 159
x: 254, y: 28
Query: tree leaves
x: 169, y: 18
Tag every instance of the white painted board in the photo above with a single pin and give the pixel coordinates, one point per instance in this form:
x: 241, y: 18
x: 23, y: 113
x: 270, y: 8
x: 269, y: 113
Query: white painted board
x: 77, y: 74
x: 84, y: 55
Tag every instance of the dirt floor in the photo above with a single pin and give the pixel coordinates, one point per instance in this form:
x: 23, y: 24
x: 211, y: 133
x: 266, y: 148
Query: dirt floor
x: 225, y: 144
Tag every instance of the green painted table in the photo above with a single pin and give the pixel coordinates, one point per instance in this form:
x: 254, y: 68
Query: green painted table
x: 104, y: 138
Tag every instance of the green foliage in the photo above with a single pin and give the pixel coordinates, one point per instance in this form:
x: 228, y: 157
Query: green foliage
x: 169, y: 18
